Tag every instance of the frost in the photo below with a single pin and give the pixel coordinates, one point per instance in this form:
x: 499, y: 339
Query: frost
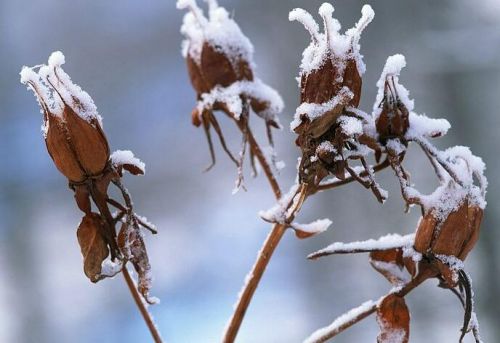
x: 55, y: 90
x: 340, y: 321
x: 387, y: 242
x: 123, y: 157
x: 331, y: 42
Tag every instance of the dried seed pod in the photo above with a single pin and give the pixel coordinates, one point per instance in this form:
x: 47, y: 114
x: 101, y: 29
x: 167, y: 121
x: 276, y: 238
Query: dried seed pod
x: 453, y: 236
x: 219, y: 55
x: 72, y: 128
x: 332, y: 61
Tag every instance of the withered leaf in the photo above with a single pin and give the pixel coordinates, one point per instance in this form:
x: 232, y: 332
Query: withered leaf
x: 133, y: 248
x: 93, y: 246
x: 83, y: 199
x: 393, y: 319
x: 390, y: 264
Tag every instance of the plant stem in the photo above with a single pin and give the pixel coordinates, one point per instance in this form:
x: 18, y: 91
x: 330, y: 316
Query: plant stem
x: 142, y: 307
x: 259, y: 267
x: 334, y: 331
x: 257, y: 152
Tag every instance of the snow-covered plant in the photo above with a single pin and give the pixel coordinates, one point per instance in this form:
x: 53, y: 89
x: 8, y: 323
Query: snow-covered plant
x: 336, y: 138
x: 220, y: 63
x: 76, y: 142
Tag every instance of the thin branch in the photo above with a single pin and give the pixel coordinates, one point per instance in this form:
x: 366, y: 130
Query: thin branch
x: 427, y: 273
x: 260, y: 265
x: 142, y: 307
x: 337, y: 183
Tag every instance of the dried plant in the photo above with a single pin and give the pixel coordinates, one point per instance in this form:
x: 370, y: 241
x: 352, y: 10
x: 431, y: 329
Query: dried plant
x: 76, y: 142
x: 336, y: 138
x: 220, y: 66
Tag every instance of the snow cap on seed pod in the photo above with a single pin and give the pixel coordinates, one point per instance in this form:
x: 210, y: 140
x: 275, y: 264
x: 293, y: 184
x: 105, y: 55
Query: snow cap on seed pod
x: 72, y: 128
x: 331, y: 68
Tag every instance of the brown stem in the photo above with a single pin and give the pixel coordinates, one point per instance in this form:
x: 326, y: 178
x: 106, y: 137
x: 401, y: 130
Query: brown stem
x: 142, y: 307
x: 337, y: 183
x: 426, y: 273
x: 256, y: 150
x: 259, y: 267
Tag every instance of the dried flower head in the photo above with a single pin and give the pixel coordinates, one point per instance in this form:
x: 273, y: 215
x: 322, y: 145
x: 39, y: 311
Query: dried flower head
x: 392, y: 115
x: 73, y: 133
x: 330, y: 128
x: 220, y: 65
x: 72, y: 127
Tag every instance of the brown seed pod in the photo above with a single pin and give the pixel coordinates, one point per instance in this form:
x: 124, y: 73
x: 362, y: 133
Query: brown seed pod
x: 393, y: 121
x: 332, y: 60
x: 453, y: 236
x: 72, y: 128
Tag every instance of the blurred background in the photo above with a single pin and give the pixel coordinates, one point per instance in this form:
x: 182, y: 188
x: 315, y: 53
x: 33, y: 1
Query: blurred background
x: 127, y: 57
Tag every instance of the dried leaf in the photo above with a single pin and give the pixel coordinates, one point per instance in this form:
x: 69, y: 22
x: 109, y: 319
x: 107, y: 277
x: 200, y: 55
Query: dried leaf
x: 393, y: 318
x: 93, y: 246
x: 390, y: 264
x: 83, y: 199
x: 133, y: 248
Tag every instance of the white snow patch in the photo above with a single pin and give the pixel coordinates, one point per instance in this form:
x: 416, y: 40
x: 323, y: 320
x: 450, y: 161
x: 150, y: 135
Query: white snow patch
x: 387, y: 242
x: 121, y: 157
x: 343, y: 319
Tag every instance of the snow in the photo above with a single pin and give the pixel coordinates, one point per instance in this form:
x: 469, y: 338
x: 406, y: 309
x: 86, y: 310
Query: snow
x: 395, y: 146
x: 231, y: 97
x: 351, y: 126
x: 110, y: 268
x: 121, y: 157
x: 386, y: 242
x: 323, y: 45
x: 219, y: 30
x: 313, y: 111
x: 421, y: 125
x: 277, y: 213
x: 55, y: 90
x: 318, y: 226
x: 398, y: 273
x: 453, y: 262
x: 391, y: 70
x: 340, y: 321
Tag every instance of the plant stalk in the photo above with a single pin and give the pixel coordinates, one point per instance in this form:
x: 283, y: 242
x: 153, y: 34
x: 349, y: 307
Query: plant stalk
x: 142, y: 306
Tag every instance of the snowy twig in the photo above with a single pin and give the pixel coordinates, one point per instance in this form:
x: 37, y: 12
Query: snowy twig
x: 263, y: 258
x: 141, y: 305
x: 338, y: 326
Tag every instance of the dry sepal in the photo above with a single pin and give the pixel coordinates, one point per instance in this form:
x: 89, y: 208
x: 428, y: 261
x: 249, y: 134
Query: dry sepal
x: 73, y: 133
x: 220, y: 66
